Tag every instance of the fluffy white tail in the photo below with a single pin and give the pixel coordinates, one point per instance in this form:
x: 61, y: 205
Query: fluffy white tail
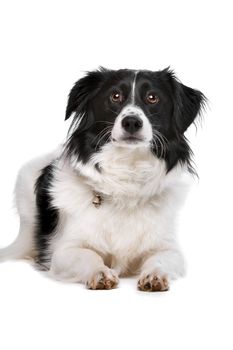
x: 13, y: 251
x: 21, y: 248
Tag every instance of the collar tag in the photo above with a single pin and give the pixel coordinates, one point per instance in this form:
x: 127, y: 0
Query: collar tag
x: 97, y: 199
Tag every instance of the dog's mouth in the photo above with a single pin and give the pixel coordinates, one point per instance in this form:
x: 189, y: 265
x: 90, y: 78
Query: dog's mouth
x: 132, y: 139
x: 129, y: 139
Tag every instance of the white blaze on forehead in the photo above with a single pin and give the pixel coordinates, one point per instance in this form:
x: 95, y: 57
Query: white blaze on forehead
x: 145, y: 132
x: 133, y: 87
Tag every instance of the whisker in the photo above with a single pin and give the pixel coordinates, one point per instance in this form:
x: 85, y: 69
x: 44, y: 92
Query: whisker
x: 152, y: 114
x: 104, y: 121
x: 116, y: 113
x: 105, y: 132
x: 154, y: 143
x: 108, y: 133
x: 161, y: 141
x: 100, y: 133
x: 158, y: 133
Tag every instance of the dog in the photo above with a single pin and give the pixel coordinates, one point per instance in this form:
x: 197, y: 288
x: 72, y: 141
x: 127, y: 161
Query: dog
x: 104, y: 204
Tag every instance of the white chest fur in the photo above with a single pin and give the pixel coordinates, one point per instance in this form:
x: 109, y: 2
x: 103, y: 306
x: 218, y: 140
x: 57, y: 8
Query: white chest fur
x: 133, y: 173
x: 138, y: 208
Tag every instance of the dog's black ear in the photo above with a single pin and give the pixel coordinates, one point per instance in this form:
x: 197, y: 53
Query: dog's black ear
x: 187, y: 106
x: 188, y: 102
x: 82, y: 93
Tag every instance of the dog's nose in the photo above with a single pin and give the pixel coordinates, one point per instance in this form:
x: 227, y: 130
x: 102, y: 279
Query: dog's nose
x: 131, y: 124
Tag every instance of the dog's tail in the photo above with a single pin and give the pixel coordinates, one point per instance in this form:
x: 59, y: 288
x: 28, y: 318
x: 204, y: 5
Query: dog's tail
x: 21, y: 248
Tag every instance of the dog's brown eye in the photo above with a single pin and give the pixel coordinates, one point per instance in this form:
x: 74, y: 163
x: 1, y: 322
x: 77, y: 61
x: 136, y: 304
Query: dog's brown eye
x: 116, y: 97
x: 152, y: 99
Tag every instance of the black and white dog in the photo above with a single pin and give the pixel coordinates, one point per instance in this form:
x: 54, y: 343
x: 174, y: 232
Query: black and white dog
x: 104, y: 204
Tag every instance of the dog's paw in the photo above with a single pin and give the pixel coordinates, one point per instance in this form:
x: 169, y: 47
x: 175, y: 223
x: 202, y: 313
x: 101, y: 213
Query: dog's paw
x: 106, y: 279
x: 153, y: 282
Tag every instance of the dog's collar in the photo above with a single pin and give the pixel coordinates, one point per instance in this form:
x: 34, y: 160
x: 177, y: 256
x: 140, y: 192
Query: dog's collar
x: 97, y: 199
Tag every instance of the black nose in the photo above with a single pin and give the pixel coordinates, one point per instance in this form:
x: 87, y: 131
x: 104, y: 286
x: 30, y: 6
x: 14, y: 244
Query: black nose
x: 131, y: 124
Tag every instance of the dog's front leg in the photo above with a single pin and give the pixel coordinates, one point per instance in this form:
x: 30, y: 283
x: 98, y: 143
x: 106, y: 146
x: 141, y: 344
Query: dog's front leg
x: 159, y: 269
x: 82, y: 265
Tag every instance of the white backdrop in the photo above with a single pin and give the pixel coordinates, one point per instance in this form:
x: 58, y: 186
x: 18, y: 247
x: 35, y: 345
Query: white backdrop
x: 45, y: 47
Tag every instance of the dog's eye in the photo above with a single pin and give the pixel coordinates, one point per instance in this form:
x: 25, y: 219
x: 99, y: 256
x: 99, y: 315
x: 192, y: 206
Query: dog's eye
x: 116, y: 97
x: 152, y: 98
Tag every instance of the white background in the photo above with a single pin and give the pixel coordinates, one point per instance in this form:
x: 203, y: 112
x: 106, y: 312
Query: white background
x: 45, y: 47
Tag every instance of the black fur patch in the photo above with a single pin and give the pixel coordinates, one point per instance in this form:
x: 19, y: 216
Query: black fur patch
x: 47, y: 215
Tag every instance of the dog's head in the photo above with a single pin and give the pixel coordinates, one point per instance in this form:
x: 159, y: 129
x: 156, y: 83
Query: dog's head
x: 132, y: 109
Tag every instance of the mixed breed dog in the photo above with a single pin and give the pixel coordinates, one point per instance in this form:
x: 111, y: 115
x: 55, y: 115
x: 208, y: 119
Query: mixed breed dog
x: 104, y: 204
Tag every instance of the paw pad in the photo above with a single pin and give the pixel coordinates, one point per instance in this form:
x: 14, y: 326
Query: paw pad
x: 103, y: 280
x: 153, y: 283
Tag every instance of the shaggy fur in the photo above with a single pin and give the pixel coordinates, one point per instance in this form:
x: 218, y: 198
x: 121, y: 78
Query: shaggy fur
x: 104, y: 204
